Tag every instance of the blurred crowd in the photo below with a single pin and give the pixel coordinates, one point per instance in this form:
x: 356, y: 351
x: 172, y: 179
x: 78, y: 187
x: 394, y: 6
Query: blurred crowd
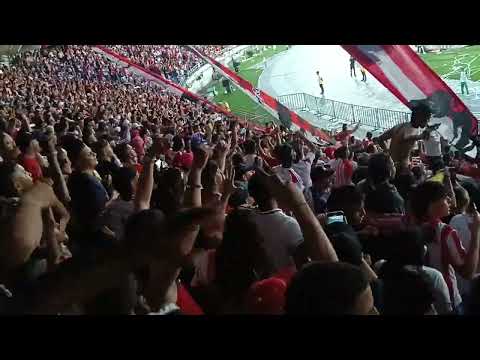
x: 174, y: 62
x: 118, y: 197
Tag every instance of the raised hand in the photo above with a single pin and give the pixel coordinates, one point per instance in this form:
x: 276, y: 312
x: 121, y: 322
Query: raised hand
x: 229, y: 180
x: 286, y: 193
x: 200, y: 157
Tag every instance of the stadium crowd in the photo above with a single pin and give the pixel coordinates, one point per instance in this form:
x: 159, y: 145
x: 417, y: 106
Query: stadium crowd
x: 120, y: 198
x: 173, y: 62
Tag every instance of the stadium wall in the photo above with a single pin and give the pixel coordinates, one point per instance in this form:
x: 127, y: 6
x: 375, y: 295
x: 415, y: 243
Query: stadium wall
x: 203, y: 76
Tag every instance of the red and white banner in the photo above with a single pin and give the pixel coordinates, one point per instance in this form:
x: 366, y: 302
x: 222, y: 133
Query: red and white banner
x: 165, y: 83
x: 409, y: 78
x: 271, y: 105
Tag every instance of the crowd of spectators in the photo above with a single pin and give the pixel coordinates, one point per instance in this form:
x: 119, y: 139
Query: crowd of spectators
x: 117, y: 197
x: 174, y: 62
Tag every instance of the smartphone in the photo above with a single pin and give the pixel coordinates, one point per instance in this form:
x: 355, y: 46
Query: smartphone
x: 336, y: 217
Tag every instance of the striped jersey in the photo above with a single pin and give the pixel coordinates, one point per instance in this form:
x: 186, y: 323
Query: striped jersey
x: 343, y: 172
x: 445, y: 252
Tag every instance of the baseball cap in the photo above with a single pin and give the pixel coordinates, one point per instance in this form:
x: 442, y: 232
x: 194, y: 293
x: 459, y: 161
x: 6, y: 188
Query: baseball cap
x: 267, y: 297
x: 197, y: 139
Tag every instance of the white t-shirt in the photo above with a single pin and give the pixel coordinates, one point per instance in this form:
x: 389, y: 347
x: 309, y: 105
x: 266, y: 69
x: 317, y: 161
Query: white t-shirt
x: 320, y: 80
x: 463, y: 76
x: 433, y: 146
x: 447, y: 246
x: 281, y: 234
x: 440, y: 289
x: 303, y: 169
x: 461, y: 223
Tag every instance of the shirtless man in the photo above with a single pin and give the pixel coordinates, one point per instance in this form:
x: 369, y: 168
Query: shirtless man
x: 404, y: 136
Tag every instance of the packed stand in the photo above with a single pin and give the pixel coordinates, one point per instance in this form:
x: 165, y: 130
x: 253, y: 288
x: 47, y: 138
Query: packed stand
x: 174, y: 62
x: 119, y: 198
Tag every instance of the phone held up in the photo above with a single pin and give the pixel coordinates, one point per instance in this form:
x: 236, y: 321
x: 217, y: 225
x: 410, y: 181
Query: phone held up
x: 336, y: 217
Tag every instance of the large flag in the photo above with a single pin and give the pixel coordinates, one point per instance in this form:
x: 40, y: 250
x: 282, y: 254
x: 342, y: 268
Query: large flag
x: 165, y: 83
x: 407, y: 77
x: 271, y: 105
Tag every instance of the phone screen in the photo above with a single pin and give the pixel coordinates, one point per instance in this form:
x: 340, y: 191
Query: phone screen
x: 335, y: 217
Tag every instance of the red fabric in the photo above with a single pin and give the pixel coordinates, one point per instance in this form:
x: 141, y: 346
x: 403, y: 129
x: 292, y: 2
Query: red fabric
x: 398, y: 66
x: 330, y: 152
x: 343, y: 135
x: 262, y: 98
x: 139, y: 168
x: 268, y: 296
x: 32, y: 166
x: 187, y: 305
x: 183, y: 159
x: 271, y: 161
x: 470, y: 170
x: 138, y: 145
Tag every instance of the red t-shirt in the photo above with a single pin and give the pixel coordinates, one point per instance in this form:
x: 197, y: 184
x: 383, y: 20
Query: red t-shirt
x: 32, y: 166
x: 183, y: 159
x: 186, y: 303
x: 330, y: 151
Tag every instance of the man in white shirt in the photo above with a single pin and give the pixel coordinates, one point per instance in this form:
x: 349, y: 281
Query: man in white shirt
x: 433, y: 150
x: 320, y: 82
x: 281, y: 233
x: 463, y: 81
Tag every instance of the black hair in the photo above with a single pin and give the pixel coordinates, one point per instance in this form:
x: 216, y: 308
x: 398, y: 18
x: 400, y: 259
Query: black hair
x: 379, y: 168
x: 250, y: 147
x: 99, y: 146
x: 122, y: 182
x: 371, y: 149
x: 121, y: 150
x: 240, y: 195
x: 285, y: 155
x: 73, y: 146
x: 420, y: 109
x: 145, y: 225
x: 424, y: 195
x: 343, y: 198
x: 168, y: 196
x: 341, y: 152
x: 23, y: 140
x: 240, y: 259
x: 320, y: 289
x: 472, y: 304
x: 177, y: 143
x: 258, y: 190
x: 7, y: 187
x: 118, y: 301
x: 406, y: 247
x: 407, y: 291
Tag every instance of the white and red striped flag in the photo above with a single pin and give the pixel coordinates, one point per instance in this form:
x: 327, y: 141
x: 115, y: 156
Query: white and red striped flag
x: 271, y: 105
x: 165, y: 83
x: 409, y: 78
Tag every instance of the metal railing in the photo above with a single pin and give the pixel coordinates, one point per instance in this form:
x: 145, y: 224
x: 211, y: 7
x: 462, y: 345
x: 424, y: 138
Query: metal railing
x: 331, y: 110
x: 331, y: 113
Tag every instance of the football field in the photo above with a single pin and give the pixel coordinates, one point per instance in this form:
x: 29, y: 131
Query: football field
x: 449, y: 63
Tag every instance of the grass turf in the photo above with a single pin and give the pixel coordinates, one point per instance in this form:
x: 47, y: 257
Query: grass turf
x: 449, y: 63
x: 239, y: 102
